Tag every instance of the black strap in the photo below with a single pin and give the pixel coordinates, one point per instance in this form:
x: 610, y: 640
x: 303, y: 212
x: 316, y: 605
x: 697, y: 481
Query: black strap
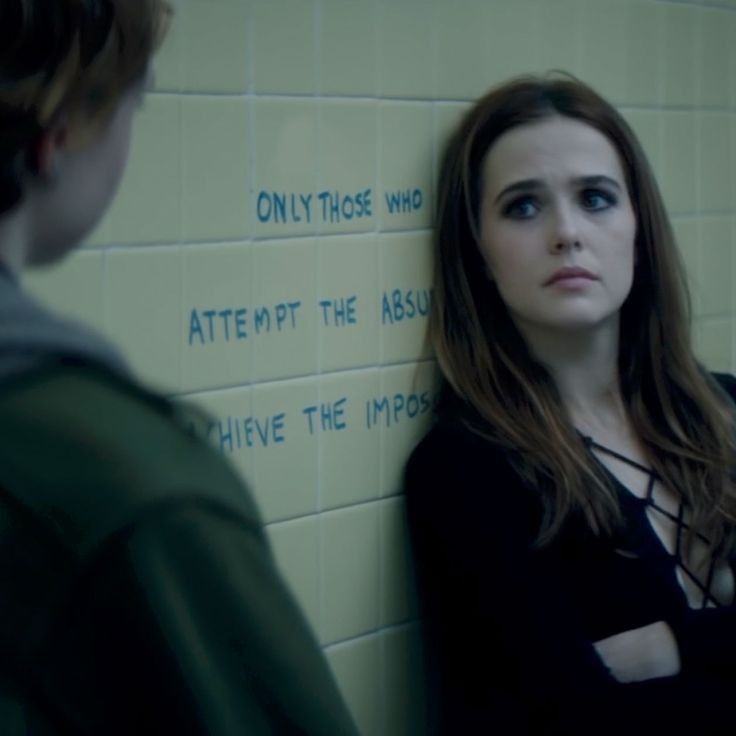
x: 678, y: 520
x: 608, y: 451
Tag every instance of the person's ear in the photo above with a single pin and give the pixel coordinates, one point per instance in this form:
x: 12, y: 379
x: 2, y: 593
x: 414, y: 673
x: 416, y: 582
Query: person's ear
x: 49, y: 149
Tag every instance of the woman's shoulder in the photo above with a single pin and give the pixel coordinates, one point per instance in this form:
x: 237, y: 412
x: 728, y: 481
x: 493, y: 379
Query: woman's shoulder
x: 453, y: 442
x: 455, y: 463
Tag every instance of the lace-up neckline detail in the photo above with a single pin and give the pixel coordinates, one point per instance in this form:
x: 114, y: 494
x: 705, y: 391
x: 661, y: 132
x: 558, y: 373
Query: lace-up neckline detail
x: 703, y: 584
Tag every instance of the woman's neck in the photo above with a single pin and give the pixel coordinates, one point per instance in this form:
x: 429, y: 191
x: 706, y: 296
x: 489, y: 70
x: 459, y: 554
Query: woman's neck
x: 584, y: 367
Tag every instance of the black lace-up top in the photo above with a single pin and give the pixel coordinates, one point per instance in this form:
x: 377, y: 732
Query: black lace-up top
x: 510, y: 627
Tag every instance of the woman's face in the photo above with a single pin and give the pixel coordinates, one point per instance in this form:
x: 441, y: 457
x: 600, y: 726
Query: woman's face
x: 557, y: 225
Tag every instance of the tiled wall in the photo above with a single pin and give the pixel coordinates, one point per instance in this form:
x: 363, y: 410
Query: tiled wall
x: 268, y: 255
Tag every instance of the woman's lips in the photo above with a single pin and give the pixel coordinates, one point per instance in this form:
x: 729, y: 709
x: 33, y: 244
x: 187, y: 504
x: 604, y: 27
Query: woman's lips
x: 571, y: 276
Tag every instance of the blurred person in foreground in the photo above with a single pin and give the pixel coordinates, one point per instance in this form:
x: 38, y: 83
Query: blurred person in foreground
x: 139, y: 594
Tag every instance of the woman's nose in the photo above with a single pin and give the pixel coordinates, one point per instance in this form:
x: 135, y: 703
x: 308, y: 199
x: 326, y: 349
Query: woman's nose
x: 565, y: 233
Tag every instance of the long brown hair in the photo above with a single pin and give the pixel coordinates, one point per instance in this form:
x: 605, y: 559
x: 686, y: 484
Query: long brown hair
x: 74, y: 57
x: 677, y: 410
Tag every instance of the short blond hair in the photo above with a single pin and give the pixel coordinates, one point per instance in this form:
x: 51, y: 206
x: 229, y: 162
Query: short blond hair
x: 75, y: 57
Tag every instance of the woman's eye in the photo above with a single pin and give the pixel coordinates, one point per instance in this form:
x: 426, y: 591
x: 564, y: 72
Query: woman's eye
x: 521, y: 209
x: 596, y: 199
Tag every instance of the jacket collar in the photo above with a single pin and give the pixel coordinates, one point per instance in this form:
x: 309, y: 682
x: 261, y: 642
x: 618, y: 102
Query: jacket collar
x: 31, y: 335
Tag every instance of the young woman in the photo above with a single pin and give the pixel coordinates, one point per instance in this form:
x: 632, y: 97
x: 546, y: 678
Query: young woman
x: 573, y: 510
x: 139, y: 594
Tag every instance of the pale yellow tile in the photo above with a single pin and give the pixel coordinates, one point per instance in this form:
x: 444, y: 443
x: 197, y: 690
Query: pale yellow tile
x: 284, y: 50
x: 714, y: 343
x: 604, y: 42
x: 733, y: 317
x: 285, y: 309
x: 716, y: 258
x: 296, y: 547
x: 680, y: 60
x: 447, y: 118
x: 347, y: 53
x: 228, y: 425
x: 733, y: 153
x: 348, y: 303
x: 716, y: 41
x: 98, y: 236
x: 405, y: 165
x: 347, y: 198
x: 143, y: 295
x: 404, y: 413
x: 403, y: 683
x: 559, y: 33
x: 678, y: 179
x: 350, y: 571
x: 286, y: 455
x: 715, y: 157
x: 687, y: 234
x: 732, y: 56
x: 214, y: 38
x: 356, y: 665
x: 647, y: 126
x: 218, y: 315
x: 406, y: 45
x: 168, y: 64
x: 733, y: 147
x: 72, y: 287
x: 644, y: 52
x: 406, y: 295
x: 286, y: 160
x: 398, y: 591
x: 510, y: 41
x: 148, y: 207
x: 215, y: 168
x: 350, y: 451
x: 480, y: 44
x: 461, y: 69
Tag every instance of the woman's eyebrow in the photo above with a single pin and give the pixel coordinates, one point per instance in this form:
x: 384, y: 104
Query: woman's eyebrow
x: 523, y: 185
x: 593, y: 181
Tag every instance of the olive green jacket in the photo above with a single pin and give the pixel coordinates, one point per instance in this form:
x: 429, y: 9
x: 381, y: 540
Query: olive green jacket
x: 139, y: 594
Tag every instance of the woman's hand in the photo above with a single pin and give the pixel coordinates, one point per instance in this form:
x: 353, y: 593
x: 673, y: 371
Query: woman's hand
x: 641, y: 654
